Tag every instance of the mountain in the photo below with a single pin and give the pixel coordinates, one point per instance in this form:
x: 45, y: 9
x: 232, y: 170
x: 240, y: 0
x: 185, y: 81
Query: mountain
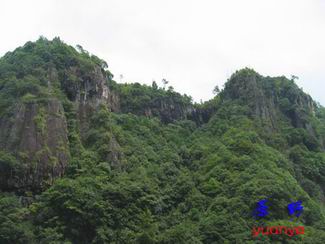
x: 85, y: 159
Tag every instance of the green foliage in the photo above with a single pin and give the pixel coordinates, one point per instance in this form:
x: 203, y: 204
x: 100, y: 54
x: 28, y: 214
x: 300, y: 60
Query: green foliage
x: 9, y: 166
x: 152, y: 101
x: 40, y: 120
x: 150, y: 174
x: 14, y: 226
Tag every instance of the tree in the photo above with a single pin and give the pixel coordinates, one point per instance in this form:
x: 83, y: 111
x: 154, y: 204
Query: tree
x: 294, y: 77
x: 170, y: 89
x: 154, y: 85
x: 80, y: 49
x: 165, y: 82
x: 216, y: 90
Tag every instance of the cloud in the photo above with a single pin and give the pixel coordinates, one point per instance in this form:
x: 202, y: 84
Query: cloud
x: 193, y: 44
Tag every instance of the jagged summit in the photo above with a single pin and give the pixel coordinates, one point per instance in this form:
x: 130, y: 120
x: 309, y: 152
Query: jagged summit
x: 45, y: 82
x: 84, y: 159
x: 268, y: 97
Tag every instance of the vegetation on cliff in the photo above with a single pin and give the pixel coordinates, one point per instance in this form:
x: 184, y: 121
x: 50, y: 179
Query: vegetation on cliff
x: 85, y: 159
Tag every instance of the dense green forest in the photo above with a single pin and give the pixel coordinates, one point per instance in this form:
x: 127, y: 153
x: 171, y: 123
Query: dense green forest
x: 84, y: 159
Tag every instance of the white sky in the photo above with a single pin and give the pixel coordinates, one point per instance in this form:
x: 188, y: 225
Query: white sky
x: 194, y: 44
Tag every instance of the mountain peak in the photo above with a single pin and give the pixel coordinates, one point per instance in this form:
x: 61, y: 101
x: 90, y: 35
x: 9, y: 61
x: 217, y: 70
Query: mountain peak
x: 85, y: 159
x: 267, y: 96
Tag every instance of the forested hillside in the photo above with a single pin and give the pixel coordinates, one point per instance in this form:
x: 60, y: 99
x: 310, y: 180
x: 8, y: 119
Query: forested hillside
x: 84, y: 159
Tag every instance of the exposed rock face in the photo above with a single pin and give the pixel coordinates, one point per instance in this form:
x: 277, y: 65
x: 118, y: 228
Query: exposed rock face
x: 303, y: 106
x: 267, y: 100
x: 114, y: 154
x: 201, y: 115
x: 37, y: 136
x: 247, y: 89
x: 168, y: 110
x: 36, y: 132
x: 88, y: 91
x: 33, y: 127
x: 272, y: 101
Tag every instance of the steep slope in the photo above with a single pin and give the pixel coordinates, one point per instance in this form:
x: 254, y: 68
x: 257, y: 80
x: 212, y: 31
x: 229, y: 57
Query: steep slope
x: 38, y: 82
x: 87, y: 160
x: 47, y: 87
x: 271, y: 98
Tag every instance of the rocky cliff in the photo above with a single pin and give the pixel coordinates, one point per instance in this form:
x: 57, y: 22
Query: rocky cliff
x: 84, y: 159
x: 271, y: 100
x: 47, y: 86
x: 49, y: 92
x: 33, y: 124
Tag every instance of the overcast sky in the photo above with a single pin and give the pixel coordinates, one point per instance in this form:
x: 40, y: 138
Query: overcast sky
x: 193, y: 44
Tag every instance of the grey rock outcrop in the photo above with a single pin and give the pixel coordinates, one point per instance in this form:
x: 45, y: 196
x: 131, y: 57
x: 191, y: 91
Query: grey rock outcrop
x: 37, y: 136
